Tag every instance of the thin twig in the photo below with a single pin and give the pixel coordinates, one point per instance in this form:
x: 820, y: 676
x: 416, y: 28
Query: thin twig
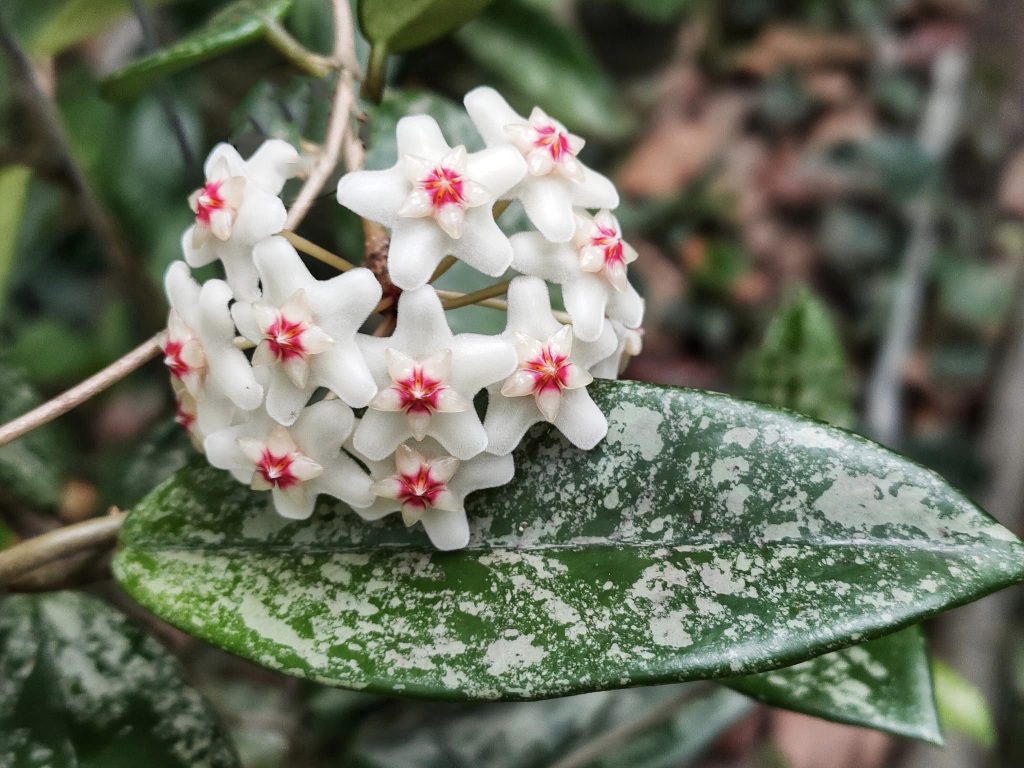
x: 318, y: 252
x: 311, y: 63
x: 477, y: 297
x: 78, y: 394
x: 23, y: 558
x: 446, y: 263
x: 938, y: 129
x: 340, y: 123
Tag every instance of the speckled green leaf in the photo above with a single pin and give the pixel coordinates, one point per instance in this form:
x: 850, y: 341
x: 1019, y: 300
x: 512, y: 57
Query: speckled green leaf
x: 800, y: 363
x: 884, y: 684
x: 704, y: 537
x: 668, y: 725
x: 546, y: 63
x: 81, y: 686
x: 31, y: 467
x: 403, y: 24
x: 236, y: 24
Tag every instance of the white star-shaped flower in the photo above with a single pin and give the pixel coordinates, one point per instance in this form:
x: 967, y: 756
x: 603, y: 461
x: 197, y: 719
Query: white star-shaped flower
x: 630, y: 344
x: 200, y: 418
x: 436, y: 201
x: 237, y: 206
x: 591, y: 270
x: 550, y: 381
x: 557, y: 182
x: 430, y: 487
x: 305, y: 330
x: 200, y: 340
x: 295, y: 463
x: 427, y: 379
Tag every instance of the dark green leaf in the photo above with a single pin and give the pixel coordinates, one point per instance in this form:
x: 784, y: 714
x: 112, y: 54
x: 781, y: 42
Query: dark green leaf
x: 800, y: 364
x: 30, y: 467
x: 884, y: 684
x: 78, y: 20
x: 399, y: 25
x: 962, y: 707
x: 236, y: 24
x: 704, y: 537
x: 671, y: 724
x: 81, y: 686
x: 14, y: 181
x: 546, y: 64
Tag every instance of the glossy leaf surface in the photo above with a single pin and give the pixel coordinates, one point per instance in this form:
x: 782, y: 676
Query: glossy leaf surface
x: 236, y: 24
x: 81, y: 686
x: 884, y: 684
x: 403, y: 24
x: 547, y: 64
x: 704, y: 537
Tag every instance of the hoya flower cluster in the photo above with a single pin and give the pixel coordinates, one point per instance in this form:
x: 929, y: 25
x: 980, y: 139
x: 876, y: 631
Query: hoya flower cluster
x: 270, y: 366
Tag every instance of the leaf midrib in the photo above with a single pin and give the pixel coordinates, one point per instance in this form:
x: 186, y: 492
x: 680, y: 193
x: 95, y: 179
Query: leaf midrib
x: 960, y: 550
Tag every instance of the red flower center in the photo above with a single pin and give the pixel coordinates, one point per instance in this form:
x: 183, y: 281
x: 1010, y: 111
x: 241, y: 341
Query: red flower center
x: 444, y: 187
x: 173, y: 360
x: 419, y: 392
x: 285, y: 338
x: 420, y: 489
x: 549, y: 370
x: 182, y: 417
x: 209, y: 200
x: 277, y: 470
x: 550, y: 138
x: 610, y: 242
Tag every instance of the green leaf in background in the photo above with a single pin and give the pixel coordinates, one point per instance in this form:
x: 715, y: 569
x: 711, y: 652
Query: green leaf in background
x: 668, y: 725
x: 659, y: 10
x: 705, y: 537
x: 234, y: 25
x: 800, y: 363
x: 962, y: 707
x: 884, y: 684
x: 84, y: 687
x: 7, y: 537
x: 31, y: 467
x: 399, y: 25
x: 75, y: 21
x: 14, y: 181
x: 547, y: 64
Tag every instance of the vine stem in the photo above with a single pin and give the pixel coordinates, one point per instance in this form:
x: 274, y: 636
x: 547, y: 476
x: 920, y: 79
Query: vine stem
x: 318, y: 252
x: 476, y: 297
x: 339, y: 125
x: 23, y: 558
x: 78, y: 394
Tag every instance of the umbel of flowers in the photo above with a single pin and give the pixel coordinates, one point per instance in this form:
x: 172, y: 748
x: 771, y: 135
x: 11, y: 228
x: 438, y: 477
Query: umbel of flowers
x: 270, y: 364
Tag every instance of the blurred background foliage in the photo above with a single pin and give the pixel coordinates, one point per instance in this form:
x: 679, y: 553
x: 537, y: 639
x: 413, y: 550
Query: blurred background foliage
x: 775, y: 159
